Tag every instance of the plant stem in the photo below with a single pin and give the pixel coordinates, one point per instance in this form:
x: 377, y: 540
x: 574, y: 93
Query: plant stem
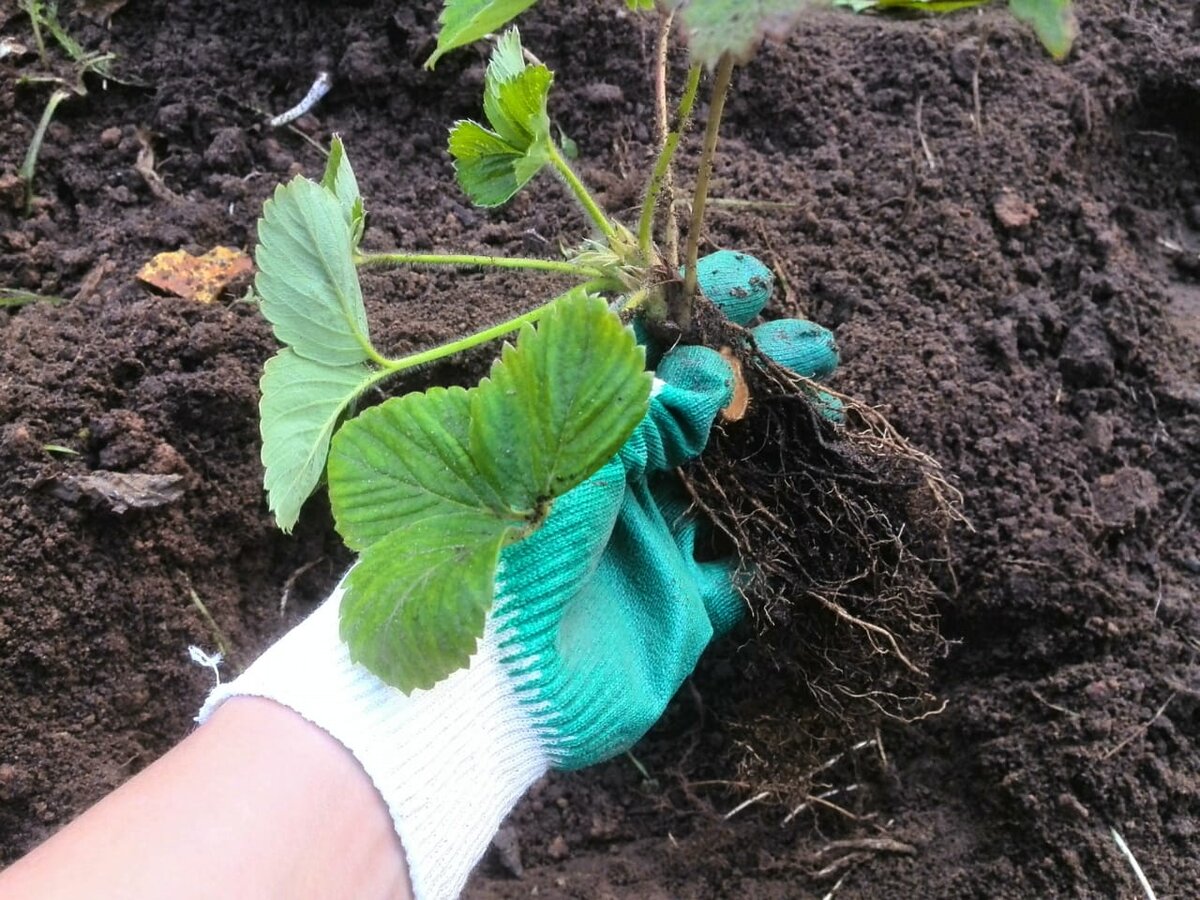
x: 711, y: 133
x: 662, y: 166
x: 34, y: 10
x: 586, y: 200
x: 469, y: 261
x: 393, y: 366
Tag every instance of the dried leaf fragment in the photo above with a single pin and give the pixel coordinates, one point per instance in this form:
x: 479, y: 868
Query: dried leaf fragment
x: 199, y: 278
x: 736, y: 410
x: 121, y: 491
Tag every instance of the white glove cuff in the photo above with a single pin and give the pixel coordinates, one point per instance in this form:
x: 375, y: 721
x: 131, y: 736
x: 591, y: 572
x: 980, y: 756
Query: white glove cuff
x: 449, y: 762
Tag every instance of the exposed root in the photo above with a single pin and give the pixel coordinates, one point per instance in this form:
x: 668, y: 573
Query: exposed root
x: 840, y: 527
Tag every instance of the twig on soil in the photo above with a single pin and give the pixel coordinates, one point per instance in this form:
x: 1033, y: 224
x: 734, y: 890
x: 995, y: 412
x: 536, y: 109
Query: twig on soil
x: 319, y: 89
x: 1054, y: 706
x: 1140, y: 730
x: 218, y: 635
x: 745, y: 804
x: 975, y: 82
x: 1137, y: 869
x: 291, y: 582
x: 921, y: 135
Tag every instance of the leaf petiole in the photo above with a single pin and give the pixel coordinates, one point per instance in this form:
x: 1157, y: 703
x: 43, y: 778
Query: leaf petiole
x: 471, y: 261
x: 393, y: 366
x: 586, y: 200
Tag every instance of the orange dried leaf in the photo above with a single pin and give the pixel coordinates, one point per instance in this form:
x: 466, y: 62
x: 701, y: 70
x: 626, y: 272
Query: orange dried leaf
x: 199, y: 278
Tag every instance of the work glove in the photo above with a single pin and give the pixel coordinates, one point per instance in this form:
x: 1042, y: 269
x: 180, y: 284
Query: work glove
x: 599, y: 616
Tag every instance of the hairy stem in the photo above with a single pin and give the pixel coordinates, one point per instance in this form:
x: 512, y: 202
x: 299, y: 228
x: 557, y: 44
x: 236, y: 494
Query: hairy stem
x: 470, y: 261
x: 393, y: 366
x: 711, y: 132
x: 586, y: 200
x: 662, y: 168
x: 34, y: 9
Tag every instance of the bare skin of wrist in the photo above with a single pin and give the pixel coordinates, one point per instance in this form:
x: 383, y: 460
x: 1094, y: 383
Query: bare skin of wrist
x: 257, y: 803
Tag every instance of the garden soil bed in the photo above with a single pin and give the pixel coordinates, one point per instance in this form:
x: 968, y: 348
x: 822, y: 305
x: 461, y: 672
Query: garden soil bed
x: 1012, y: 274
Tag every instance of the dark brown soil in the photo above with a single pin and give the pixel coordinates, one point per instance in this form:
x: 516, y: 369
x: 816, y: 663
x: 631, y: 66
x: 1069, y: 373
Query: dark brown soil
x: 1052, y: 363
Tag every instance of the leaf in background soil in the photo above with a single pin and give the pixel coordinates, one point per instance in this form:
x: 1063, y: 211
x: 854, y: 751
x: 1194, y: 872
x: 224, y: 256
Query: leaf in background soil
x: 1052, y: 20
x: 429, y: 487
x: 302, y: 402
x: 121, y: 491
x: 569, y: 393
x: 339, y: 178
x: 101, y: 10
x: 306, y: 277
x: 466, y: 21
x: 716, y: 27
x: 492, y: 165
x: 199, y: 278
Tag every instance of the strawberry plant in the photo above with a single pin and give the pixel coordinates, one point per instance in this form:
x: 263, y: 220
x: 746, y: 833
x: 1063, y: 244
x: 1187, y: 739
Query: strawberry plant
x: 428, y: 487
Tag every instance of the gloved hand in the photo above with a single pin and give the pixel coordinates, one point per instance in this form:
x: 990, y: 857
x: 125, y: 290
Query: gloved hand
x: 598, y: 618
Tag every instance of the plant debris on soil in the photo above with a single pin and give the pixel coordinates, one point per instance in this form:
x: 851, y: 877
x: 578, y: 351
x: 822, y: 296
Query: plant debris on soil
x: 1005, y: 249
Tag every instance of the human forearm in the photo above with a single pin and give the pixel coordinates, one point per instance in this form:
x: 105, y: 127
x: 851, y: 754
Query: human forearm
x: 256, y: 803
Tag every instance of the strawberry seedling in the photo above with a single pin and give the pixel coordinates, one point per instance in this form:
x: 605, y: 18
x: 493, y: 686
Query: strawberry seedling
x: 429, y: 487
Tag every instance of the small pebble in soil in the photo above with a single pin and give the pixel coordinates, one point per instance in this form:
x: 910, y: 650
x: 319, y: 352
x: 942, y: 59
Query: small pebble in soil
x: 558, y: 848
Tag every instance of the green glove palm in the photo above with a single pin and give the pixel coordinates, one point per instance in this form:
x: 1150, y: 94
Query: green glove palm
x: 602, y: 614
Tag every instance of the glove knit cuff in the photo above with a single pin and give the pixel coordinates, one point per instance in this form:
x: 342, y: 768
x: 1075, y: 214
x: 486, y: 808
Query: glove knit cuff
x: 449, y: 762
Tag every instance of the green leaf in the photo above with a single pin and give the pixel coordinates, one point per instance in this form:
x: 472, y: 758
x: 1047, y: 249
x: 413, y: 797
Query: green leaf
x: 429, y: 487
x: 568, y: 395
x: 417, y: 602
x: 306, y: 275
x: 339, y: 178
x: 302, y: 402
x: 640, y: 5
x: 493, y: 164
x: 406, y: 460
x: 466, y: 21
x: 1052, y: 20
x: 716, y: 27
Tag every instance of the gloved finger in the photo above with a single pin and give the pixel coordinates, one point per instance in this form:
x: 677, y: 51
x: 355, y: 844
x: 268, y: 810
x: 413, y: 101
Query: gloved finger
x: 737, y: 283
x: 716, y: 579
x: 808, y: 350
x: 692, y: 384
x: 797, y: 344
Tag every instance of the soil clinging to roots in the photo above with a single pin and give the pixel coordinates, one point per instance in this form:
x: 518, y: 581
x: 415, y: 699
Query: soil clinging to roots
x: 842, y: 527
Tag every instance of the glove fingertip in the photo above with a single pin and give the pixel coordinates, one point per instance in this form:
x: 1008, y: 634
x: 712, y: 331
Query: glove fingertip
x: 738, y: 283
x: 797, y: 344
x: 830, y: 407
